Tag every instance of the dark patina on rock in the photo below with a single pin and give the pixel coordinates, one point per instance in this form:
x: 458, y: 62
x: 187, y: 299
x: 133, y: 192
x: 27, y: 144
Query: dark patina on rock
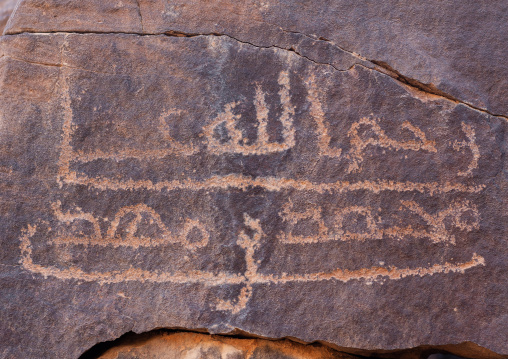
x: 455, y: 48
x: 153, y: 181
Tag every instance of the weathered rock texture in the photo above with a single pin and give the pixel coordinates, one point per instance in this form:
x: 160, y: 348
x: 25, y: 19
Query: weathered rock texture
x: 227, y: 165
x: 6, y: 8
x: 458, y: 47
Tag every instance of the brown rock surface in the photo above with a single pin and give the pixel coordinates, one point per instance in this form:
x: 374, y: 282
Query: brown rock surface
x: 455, y: 47
x: 6, y: 8
x: 227, y: 181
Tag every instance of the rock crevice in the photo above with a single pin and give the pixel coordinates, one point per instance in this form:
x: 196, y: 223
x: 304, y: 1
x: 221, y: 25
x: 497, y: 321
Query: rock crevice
x: 369, y: 64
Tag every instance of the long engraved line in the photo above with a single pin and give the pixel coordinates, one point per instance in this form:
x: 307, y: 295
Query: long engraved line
x: 316, y: 111
x: 66, y: 152
x: 288, y: 111
x: 236, y: 181
x: 395, y: 233
x: 125, y: 242
x: 374, y: 273
x: 121, y: 155
x: 134, y: 242
x: 210, y: 279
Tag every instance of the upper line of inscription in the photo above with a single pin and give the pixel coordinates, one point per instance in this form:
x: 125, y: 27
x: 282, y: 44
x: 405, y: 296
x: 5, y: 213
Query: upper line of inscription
x: 222, y: 136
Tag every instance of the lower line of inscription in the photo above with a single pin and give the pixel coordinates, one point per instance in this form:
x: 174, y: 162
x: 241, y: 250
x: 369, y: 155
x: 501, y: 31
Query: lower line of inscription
x: 250, y: 277
x: 273, y: 184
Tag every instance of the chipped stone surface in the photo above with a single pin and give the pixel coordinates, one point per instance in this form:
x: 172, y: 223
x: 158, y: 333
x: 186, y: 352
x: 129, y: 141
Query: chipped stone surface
x: 197, y: 346
x: 163, y: 181
x: 6, y: 8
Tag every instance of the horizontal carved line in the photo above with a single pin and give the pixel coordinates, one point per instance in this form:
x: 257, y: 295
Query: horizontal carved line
x: 272, y: 184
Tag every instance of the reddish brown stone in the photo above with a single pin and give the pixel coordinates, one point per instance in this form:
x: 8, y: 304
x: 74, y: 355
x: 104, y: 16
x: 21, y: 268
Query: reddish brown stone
x: 166, y: 181
x: 456, y: 48
x: 6, y: 8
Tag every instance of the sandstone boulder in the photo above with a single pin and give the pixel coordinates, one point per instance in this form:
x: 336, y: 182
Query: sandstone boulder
x: 230, y: 166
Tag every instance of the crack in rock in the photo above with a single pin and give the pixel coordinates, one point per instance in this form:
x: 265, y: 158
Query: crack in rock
x: 378, y: 66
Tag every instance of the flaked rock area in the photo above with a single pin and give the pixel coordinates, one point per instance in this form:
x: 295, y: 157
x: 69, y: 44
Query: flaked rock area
x: 6, y: 9
x: 166, y: 344
x: 330, y: 172
x: 196, y: 346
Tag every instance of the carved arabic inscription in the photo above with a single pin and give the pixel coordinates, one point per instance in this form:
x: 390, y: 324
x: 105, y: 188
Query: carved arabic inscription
x: 303, y: 219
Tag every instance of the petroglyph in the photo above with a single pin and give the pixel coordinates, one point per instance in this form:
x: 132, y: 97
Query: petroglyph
x: 78, y: 215
x: 249, y: 245
x: 456, y: 213
x: 377, y: 137
x: 312, y: 214
x: 171, y: 146
x: 118, y: 276
x: 317, y: 113
x: 140, y: 226
x: 377, y: 274
x: 236, y: 142
x: 271, y: 184
x: 469, y: 143
x: 251, y: 276
x: 126, y: 229
x: 66, y: 150
x: 362, y: 213
x: 462, y: 215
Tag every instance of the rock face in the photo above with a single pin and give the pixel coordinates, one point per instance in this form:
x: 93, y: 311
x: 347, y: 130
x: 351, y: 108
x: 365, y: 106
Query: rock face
x: 456, y: 47
x: 226, y: 165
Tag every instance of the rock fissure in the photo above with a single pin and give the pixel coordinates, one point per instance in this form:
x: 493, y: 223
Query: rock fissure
x: 321, y: 38
x: 386, y: 69
x: 378, y: 66
x: 291, y: 48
